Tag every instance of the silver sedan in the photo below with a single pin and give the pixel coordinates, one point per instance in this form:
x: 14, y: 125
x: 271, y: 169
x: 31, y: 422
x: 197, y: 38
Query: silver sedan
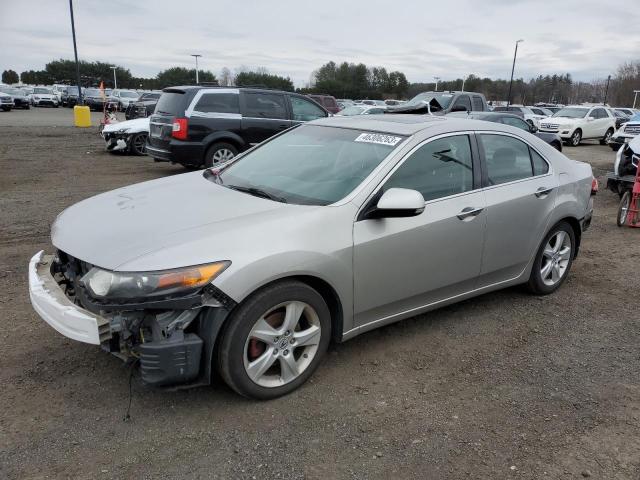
x: 321, y: 233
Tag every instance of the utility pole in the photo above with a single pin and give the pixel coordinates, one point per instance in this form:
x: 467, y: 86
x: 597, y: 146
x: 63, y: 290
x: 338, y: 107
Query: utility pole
x: 75, y: 52
x: 513, y: 67
x: 606, y: 92
x: 635, y: 97
x: 115, y: 81
x: 463, y: 80
x: 437, y: 79
x: 196, y: 55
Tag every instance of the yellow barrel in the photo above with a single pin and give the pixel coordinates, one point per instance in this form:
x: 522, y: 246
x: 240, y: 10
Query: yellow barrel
x: 81, y: 116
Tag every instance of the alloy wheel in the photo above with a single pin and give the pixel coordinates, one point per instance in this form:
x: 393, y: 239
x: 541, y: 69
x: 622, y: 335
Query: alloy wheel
x: 222, y: 155
x: 555, y: 258
x: 140, y: 144
x: 282, y: 344
x: 575, y: 138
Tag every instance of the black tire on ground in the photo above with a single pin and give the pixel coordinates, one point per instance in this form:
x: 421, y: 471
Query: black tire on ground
x: 576, y: 137
x: 557, y: 146
x: 138, y: 144
x: 607, y: 136
x: 6, y: 109
x: 217, y: 148
x: 231, y: 351
x: 535, y: 284
x: 614, y: 147
x: 623, y: 207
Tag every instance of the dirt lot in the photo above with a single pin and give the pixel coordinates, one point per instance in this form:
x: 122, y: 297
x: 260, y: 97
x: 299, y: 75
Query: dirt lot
x: 503, y: 386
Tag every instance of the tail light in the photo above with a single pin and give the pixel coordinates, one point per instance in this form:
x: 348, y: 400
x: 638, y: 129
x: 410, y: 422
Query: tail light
x: 594, y: 185
x: 179, y: 128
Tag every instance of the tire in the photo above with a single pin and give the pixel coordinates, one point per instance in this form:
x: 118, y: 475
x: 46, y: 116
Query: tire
x: 219, y: 152
x: 237, y: 343
x: 614, y: 147
x: 607, y: 136
x: 138, y: 144
x: 576, y: 137
x: 623, y: 208
x: 544, y: 283
x: 6, y: 109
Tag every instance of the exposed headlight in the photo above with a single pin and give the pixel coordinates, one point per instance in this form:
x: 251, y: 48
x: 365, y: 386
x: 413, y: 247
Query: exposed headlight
x: 36, y: 98
x: 129, y: 285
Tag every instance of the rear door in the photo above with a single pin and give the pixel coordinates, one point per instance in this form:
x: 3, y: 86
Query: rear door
x: 263, y: 115
x: 213, y: 111
x: 520, y: 192
x: 171, y: 105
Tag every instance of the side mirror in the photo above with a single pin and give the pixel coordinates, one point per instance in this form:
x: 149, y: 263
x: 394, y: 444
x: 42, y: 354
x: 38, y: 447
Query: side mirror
x: 590, y: 119
x: 459, y: 108
x: 398, y: 202
x: 533, y: 128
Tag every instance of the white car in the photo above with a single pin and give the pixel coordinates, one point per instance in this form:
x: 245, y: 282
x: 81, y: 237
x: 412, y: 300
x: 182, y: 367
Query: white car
x: 625, y: 133
x: 123, y: 97
x: 575, y: 123
x: 524, y: 112
x: 361, y: 110
x: 127, y: 137
x: 6, y: 102
x: 44, y: 96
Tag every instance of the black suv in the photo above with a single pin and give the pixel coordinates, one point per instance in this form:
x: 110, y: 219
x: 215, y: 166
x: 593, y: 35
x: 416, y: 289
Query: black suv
x: 143, y: 107
x: 441, y: 103
x: 200, y: 126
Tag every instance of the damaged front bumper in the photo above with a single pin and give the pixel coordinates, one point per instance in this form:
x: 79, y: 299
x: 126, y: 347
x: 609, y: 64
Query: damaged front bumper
x: 117, y: 142
x: 172, y: 340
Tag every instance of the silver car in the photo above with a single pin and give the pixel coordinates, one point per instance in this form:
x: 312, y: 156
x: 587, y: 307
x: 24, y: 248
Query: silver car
x: 323, y: 232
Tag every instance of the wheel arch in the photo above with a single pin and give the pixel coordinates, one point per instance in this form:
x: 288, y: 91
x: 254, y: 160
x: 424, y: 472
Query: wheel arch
x: 226, y: 137
x: 577, y: 230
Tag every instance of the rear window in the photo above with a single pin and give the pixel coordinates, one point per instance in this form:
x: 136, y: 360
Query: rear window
x: 218, y: 103
x: 170, y: 103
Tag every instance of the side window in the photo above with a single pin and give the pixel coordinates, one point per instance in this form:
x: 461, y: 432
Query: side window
x: 218, y: 103
x: 264, y: 105
x: 374, y: 111
x: 540, y: 167
x: 478, y: 104
x: 507, y: 159
x: 463, y: 101
x: 304, y: 110
x: 598, y: 113
x: 438, y: 169
x: 516, y: 122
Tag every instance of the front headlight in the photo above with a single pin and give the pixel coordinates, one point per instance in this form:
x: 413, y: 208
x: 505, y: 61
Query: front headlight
x: 129, y: 285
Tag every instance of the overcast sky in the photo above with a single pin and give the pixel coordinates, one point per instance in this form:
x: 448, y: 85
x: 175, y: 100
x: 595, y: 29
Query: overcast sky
x: 449, y: 39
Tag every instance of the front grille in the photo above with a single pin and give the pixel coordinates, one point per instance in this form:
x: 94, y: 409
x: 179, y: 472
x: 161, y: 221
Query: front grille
x: 550, y: 126
x: 632, y: 129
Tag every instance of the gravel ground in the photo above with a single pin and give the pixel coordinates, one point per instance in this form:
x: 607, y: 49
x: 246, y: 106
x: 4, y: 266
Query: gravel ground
x: 506, y: 385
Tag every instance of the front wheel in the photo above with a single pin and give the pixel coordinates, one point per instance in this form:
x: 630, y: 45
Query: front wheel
x: 553, y: 260
x: 623, y: 209
x: 607, y: 136
x: 575, y: 139
x: 219, y: 153
x: 274, y: 340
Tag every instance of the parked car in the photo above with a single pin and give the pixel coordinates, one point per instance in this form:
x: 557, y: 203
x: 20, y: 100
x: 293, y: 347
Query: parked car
x: 127, y: 137
x: 57, y: 90
x: 513, y: 120
x: 331, y: 229
x: 122, y: 98
x: 70, y: 96
x: 20, y: 98
x: 541, y: 111
x: 619, y: 117
x: 625, y: 133
x: 328, y: 102
x: 6, y: 102
x: 393, y: 103
x: 524, y: 112
x: 199, y: 126
x: 629, y: 112
x: 95, y: 99
x: 575, y: 123
x: 361, y: 110
x: 441, y: 103
x: 44, y: 96
x: 143, y: 107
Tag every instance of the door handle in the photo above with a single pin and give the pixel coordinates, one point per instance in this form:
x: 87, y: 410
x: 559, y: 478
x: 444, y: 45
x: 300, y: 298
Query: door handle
x: 543, y: 191
x: 469, y: 212
x: 283, y: 126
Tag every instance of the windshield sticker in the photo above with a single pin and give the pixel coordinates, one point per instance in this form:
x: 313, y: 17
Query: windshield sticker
x: 378, y: 138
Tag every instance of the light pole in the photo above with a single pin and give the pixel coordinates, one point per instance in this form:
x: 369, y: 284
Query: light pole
x: 115, y: 81
x: 513, y: 67
x: 635, y: 97
x: 463, y: 80
x: 196, y: 55
x: 437, y: 79
x: 75, y: 52
x: 606, y: 92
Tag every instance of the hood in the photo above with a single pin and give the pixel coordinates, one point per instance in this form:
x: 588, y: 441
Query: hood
x: 128, y: 228
x: 423, y: 107
x: 561, y: 120
x: 131, y: 126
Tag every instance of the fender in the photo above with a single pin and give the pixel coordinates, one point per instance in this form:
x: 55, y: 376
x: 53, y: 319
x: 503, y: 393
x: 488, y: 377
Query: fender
x: 224, y: 136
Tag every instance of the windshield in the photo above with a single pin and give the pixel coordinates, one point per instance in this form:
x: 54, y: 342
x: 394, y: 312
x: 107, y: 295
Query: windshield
x: 571, y: 112
x: 310, y: 165
x: 129, y: 94
x: 92, y: 92
x: 72, y: 91
x: 13, y: 91
x: 42, y: 90
x: 349, y: 111
x: 444, y: 99
x: 150, y: 96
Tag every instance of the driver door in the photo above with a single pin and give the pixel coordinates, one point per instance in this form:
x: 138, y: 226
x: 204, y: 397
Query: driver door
x: 404, y: 264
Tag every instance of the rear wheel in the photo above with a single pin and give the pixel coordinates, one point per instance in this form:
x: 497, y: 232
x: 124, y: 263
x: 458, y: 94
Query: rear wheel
x: 575, y: 139
x: 623, y: 209
x: 138, y: 144
x: 553, y: 260
x: 219, y: 153
x: 274, y: 340
x: 607, y: 136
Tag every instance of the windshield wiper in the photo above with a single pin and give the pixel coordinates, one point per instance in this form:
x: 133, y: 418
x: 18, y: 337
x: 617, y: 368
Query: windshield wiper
x: 257, y: 192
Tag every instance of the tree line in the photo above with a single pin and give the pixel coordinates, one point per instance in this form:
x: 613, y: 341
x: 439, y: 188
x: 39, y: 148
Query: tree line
x: 351, y: 80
